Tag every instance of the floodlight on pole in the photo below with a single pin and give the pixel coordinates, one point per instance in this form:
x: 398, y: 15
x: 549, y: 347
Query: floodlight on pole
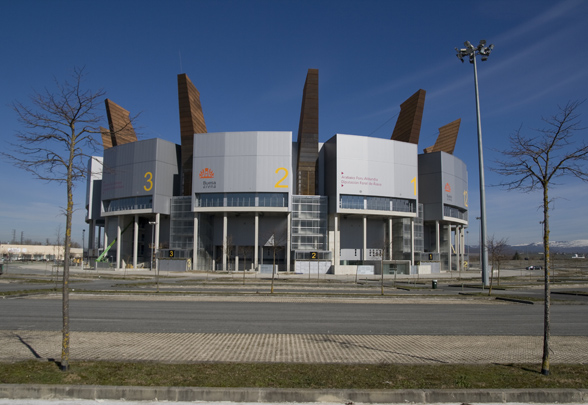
x: 471, y: 52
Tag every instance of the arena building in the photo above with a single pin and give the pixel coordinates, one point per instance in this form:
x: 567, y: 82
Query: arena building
x: 249, y: 201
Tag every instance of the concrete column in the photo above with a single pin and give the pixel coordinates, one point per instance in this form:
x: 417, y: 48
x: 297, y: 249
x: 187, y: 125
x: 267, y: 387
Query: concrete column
x: 256, y: 242
x: 157, y: 225
x: 91, y: 235
x: 391, y: 236
x: 412, y: 241
x: 288, y: 232
x: 195, y: 243
x: 363, y: 255
x: 236, y: 252
x: 462, y: 246
x: 118, y: 242
x: 437, y: 238
x: 225, y: 222
x: 106, y: 222
x: 450, y: 246
x: 336, y: 244
x: 458, y: 246
x: 135, y: 239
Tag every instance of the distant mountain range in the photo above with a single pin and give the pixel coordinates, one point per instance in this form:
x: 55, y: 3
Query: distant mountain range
x: 566, y: 247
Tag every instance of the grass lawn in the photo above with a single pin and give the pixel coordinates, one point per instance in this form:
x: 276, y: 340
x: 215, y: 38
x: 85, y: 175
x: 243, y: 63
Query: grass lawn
x: 271, y: 375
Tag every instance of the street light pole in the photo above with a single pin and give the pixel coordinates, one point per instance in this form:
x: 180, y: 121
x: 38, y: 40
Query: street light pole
x: 471, y: 52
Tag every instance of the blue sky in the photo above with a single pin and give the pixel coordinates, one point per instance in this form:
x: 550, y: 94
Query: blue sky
x: 249, y: 61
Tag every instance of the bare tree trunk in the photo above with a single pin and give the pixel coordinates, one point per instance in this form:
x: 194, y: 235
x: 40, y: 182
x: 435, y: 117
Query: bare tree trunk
x: 273, y: 271
x: 65, y: 292
x: 546, y: 266
x: 382, y: 270
x: 491, y: 278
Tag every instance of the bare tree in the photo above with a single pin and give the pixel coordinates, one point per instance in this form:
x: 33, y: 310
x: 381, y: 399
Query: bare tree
x: 533, y: 163
x: 58, y: 240
x: 57, y: 127
x: 496, y: 248
x: 228, y: 249
x: 247, y: 252
x: 276, y: 242
x: 386, y: 250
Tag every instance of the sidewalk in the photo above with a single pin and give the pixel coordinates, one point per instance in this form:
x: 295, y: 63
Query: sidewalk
x: 299, y: 348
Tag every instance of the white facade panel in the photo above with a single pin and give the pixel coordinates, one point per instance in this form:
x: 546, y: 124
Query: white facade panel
x: 376, y: 167
x: 241, y: 162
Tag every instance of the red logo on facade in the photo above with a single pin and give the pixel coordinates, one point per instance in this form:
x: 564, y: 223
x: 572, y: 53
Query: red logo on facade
x: 206, y: 174
x: 447, y: 187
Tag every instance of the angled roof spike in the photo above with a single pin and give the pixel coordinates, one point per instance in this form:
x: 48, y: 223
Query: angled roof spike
x: 191, y: 122
x: 308, y: 130
x: 106, y: 137
x: 408, y: 124
x: 119, y: 121
x: 447, y: 138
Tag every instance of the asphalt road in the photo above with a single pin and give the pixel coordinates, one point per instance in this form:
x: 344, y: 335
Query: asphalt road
x: 292, y: 318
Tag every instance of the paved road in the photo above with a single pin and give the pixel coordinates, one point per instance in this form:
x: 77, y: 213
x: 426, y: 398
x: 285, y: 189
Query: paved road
x: 274, y: 316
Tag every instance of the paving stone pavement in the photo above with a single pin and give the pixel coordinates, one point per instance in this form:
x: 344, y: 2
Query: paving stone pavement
x: 301, y: 348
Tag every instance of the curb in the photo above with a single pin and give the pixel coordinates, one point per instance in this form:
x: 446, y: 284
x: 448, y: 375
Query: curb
x: 269, y: 395
x: 515, y: 300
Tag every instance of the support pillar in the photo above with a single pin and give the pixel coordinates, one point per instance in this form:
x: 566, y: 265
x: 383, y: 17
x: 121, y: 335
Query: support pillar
x: 412, y: 241
x: 91, y: 235
x: 256, y: 242
x: 336, y: 244
x: 288, y: 250
x: 457, y: 239
x: 195, y: 243
x: 391, y: 237
x: 437, y: 238
x: 364, y: 251
x: 106, y: 222
x: 135, y: 239
x: 157, y: 225
x: 225, y: 222
x: 450, y: 246
x: 118, y: 242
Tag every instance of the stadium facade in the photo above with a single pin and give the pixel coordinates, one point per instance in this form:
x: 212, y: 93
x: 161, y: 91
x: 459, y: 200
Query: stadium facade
x: 247, y: 201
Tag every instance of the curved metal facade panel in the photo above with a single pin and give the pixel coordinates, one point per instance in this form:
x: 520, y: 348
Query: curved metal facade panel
x: 240, y: 162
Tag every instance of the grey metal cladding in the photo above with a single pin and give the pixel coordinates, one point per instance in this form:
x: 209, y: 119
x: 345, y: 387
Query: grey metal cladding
x: 455, y: 181
x: 372, y: 166
x: 330, y: 158
x: 140, y: 168
x: 443, y: 179
x: 236, y: 162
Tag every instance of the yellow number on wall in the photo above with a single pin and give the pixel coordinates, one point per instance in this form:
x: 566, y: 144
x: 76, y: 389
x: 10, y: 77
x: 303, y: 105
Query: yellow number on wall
x: 465, y: 198
x: 149, y: 177
x: 279, y: 183
x: 414, y: 183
